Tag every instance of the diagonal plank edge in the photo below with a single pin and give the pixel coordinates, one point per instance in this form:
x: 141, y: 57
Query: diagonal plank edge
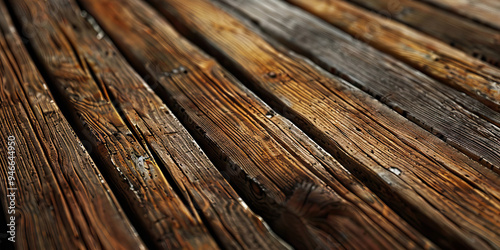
x: 272, y: 163
x: 435, y: 107
x: 104, y: 78
x: 481, y: 41
x: 427, y: 54
x: 419, y: 175
x: 60, y: 192
x: 136, y: 178
x: 486, y: 12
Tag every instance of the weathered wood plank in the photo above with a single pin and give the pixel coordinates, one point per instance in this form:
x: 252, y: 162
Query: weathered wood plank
x: 302, y: 192
x: 477, y: 40
x: 129, y: 167
x: 436, y: 59
x: 486, y: 12
x: 201, y: 185
x: 441, y: 110
x: 449, y: 197
x: 62, y: 202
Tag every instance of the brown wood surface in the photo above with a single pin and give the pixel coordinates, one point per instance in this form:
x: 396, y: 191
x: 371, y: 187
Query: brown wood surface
x: 62, y: 201
x: 429, y: 55
x: 302, y: 192
x: 451, y: 198
x: 136, y: 177
x: 460, y: 120
x: 295, y: 156
x: 486, y: 12
x: 475, y: 39
x: 163, y: 217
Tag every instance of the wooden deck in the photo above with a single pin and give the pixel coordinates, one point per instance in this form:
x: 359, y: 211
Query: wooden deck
x: 250, y: 124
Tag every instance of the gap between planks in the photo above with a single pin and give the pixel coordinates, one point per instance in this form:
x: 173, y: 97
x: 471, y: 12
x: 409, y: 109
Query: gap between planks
x: 271, y: 74
x: 262, y: 155
x: 95, y: 74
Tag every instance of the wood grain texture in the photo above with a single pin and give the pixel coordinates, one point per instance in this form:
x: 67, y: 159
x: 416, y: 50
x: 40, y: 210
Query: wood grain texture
x: 159, y: 209
x: 477, y: 40
x: 56, y: 33
x: 451, y: 198
x: 431, y: 56
x: 460, y: 120
x: 302, y: 192
x: 486, y: 12
x: 62, y: 201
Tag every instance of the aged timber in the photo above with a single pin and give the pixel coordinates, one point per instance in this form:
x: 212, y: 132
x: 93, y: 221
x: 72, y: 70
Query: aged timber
x: 280, y: 172
x: 395, y: 148
x: 92, y: 76
x: 358, y: 130
x: 429, y: 55
x: 61, y: 199
x: 460, y: 120
x: 125, y: 162
x: 486, y: 12
x: 477, y: 40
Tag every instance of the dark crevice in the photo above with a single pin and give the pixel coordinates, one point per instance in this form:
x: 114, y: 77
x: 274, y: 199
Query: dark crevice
x: 283, y: 46
x: 215, y: 155
x: 104, y: 91
x: 240, y: 181
x: 215, y: 158
x: 59, y: 100
x: 29, y: 106
x: 486, y: 101
x: 136, y: 221
x: 455, y: 44
x: 190, y: 204
x: 73, y: 48
x: 460, y: 15
x: 66, y: 108
x: 207, y: 224
x: 164, y: 170
x: 187, y: 201
x: 427, y: 227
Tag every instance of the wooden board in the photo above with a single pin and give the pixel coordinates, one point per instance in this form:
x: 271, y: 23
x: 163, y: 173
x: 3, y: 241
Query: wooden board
x: 357, y: 132
x: 61, y: 200
x: 93, y: 77
x: 413, y: 170
x: 125, y: 162
x: 272, y: 163
x: 486, y: 12
x: 431, y: 56
x: 477, y: 40
x: 460, y: 120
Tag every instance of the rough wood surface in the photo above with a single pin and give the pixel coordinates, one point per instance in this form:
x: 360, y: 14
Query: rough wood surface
x: 451, y: 198
x: 302, y: 192
x: 486, y: 12
x: 163, y: 216
x: 125, y: 163
x: 460, y: 120
x: 477, y: 40
x: 429, y: 55
x: 62, y: 202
